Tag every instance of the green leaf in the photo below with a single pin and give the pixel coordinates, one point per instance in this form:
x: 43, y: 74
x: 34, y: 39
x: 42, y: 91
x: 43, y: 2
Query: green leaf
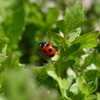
x: 68, y: 80
x: 64, y: 84
x: 92, y: 97
x: 3, y: 54
x: 12, y: 62
x: 73, y: 34
x: 87, y: 75
x: 61, y: 26
x: 53, y: 74
x: 55, y: 38
x: 87, y: 40
x: 98, y: 96
x: 3, y: 39
x: 52, y: 16
x: 66, y: 64
x: 14, y: 26
x: 3, y: 45
x: 41, y: 72
x: 93, y: 85
x: 82, y: 85
x: 6, y: 7
x: 74, y: 89
x: 73, y: 48
x: 97, y: 64
x: 78, y: 53
x: 73, y: 19
x: 97, y: 60
x: 79, y: 96
x: 35, y: 16
x: 90, y: 59
x: 66, y: 44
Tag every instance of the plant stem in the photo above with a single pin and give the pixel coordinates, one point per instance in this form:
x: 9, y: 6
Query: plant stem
x: 60, y: 61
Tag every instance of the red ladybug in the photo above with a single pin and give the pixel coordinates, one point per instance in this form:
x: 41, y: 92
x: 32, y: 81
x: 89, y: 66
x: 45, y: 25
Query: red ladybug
x: 48, y: 49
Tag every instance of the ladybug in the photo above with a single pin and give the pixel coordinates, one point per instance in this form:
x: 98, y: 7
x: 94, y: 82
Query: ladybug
x: 48, y: 49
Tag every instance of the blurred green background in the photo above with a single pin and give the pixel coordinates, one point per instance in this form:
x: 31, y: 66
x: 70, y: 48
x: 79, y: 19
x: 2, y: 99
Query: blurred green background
x: 26, y: 23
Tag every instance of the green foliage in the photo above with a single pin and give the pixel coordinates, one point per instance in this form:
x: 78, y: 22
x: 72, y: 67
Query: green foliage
x: 3, y: 42
x: 73, y: 19
x: 14, y: 32
x: 72, y: 74
x: 3, y: 39
x: 88, y: 40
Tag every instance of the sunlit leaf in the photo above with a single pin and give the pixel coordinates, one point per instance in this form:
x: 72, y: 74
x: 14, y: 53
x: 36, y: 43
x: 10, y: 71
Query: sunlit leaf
x: 3, y: 39
x: 87, y: 40
x: 3, y: 45
x: 98, y: 96
x: 74, y: 89
x: 53, y: 74
x: 3, y: 54
x: 73, y: 34
x: 82, y: 85
x: 73, y: 18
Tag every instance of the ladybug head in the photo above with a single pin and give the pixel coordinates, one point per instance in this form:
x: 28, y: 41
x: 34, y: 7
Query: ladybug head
x: 42, y: 44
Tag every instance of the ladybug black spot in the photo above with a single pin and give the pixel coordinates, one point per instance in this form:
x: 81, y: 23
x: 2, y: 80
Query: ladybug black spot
x: 50, y: 50
x: 51, y: 55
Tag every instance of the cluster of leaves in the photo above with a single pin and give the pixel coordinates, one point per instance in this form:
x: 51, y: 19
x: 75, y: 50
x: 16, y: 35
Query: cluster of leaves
x: 73, y: 72
x: 83, y: 85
